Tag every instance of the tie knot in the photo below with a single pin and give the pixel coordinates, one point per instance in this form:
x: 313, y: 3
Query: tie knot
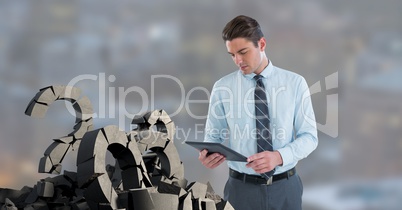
x: 257, y: 77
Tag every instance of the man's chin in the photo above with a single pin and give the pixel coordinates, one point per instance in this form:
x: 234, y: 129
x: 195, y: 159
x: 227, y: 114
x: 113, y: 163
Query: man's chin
x: 245, y: 72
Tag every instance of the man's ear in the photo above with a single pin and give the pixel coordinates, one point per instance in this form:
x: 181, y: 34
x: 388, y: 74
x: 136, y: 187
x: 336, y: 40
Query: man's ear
x: 262, y: 44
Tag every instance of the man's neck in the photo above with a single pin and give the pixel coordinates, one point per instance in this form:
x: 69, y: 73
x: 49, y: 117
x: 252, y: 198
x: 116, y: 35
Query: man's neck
x: 263, y: 65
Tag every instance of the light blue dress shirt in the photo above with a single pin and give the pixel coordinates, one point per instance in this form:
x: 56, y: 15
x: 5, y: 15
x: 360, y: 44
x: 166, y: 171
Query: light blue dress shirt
x: 292, y: 121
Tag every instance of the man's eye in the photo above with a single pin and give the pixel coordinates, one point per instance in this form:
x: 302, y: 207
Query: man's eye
x: 242, y: 53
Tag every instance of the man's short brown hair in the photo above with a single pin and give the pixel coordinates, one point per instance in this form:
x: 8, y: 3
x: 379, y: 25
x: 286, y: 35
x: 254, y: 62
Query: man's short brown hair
x: 242, y: 27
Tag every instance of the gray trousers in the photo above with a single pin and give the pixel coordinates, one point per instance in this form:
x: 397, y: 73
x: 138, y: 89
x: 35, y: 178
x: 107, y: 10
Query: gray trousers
x: 281, y: 195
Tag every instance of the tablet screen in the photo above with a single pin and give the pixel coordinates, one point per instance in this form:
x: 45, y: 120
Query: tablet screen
x: 213, y: 147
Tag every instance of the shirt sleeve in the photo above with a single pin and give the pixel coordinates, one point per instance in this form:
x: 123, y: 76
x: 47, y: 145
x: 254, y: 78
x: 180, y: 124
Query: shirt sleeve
x: 305, y: 128
x: 216, y: 128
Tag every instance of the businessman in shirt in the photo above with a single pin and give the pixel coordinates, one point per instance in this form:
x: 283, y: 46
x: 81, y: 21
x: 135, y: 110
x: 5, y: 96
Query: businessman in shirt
x: 268, y: 180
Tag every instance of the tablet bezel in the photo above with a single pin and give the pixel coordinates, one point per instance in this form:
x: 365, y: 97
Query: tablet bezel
x: 214, y: 147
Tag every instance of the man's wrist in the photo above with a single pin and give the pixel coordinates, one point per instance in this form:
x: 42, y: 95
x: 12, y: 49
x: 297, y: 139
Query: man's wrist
x: 279, y: 158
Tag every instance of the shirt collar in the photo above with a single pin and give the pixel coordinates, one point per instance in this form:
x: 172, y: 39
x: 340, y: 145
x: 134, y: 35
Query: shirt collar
x: 265, y: 73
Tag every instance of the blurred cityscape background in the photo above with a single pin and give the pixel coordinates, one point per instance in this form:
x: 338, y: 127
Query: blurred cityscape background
x: 125, y: 44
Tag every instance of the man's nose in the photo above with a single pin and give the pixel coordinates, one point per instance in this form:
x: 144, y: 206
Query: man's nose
x: 237, y: 59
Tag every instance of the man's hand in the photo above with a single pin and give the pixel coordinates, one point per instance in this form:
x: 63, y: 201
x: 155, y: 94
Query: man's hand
x: 264, y: 161
x: 212, y: 160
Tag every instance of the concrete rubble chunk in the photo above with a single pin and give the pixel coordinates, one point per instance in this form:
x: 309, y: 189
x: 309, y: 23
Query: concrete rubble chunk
x: 70, y: 175
x: 198, y: 189
x: 168, y: 188
x: 224, y: 205
x: 93, y: 142
x: 138, y: 119
x: 39, y: 205
x: 178, y: 172
x: 185, y: 202
x: 152, y: 117
x: 59, y: 181
x: 135, y: 150
x: 65, y: 139
x: 8, y: 205
x: 37, y: 110
x: 45, y: 165
x: 170, y: 160
x: 56, y: 152
x: 181, y: 183
x: 32, y: 197
x: 209, y: 188
x: 16, y: 196
x: 165, y: 201
x: 137, y: 199
x: 83, y: 109
x: 196, y: 204
x: 131, y: 178
x: 45, y: 95
x: 81, y: 128
x: 100, y: 190
x: 93, y: 205
x: 171, y: 130
x: 67, y: 92
x: 211, y: 194
x: 207, y: 204
x: 80, y: 205
x: 114, y: 173
x: 45, y: 189
x: 152, y: 139
x: 164, y: 117
x: 56, y: 169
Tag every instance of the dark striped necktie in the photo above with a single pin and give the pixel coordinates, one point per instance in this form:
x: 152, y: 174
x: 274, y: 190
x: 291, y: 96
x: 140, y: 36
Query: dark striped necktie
x: 264, y: 138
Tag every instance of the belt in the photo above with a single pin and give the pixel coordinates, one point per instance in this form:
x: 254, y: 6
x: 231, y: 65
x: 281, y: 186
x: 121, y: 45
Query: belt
x: 255, y: 179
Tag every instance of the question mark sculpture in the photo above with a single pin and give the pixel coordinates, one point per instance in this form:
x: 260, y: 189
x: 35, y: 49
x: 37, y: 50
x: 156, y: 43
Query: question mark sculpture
x: 145, y: 157
x: 55, y: 153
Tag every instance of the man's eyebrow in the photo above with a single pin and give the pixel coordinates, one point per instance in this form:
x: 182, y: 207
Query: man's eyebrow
x: 238, y: 50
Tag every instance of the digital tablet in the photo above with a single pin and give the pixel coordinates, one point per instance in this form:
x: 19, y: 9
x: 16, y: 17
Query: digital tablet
x: 213, y: 147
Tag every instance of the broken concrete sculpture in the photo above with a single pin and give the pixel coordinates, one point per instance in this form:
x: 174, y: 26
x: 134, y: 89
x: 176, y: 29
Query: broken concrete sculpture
x: 148, y: 173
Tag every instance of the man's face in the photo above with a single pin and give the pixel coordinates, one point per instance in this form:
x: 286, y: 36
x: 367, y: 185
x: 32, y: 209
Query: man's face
x: 247, y: 57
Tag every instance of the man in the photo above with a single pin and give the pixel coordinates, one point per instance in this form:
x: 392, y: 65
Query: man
x: 288, y: 127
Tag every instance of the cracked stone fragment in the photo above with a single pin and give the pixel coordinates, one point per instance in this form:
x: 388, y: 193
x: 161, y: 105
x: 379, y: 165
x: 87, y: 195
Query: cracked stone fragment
x: 131, y: 178
x: 37, y: 110
x: 199, y: 190
x: 170, y: 161
x: 207, y: 204
x: 93, y: 142
x: 45, y: 189
x: 224, y: 205
x: 66, y: 92
x: 164, y: 187
x: 101, y: 191
x: 45, y: 95
x: 152, y: 116
x: 8, y: 205
x: 83, y: 108
x: 136, y: 199
x: 45, y: 165
x: 185, y: 202
x: 32, y: 197
x: 165, y: 201
x: 56, y: 152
